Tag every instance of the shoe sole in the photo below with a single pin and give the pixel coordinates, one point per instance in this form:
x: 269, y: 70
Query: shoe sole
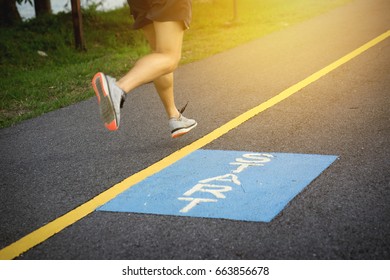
x: 182, y: 131
x: 106, y: 108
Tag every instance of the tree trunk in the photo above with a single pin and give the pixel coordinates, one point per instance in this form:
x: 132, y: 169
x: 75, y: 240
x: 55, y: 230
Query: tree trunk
x: 235, y: 12
x: 9, y: 14
x: 42, y: 7
x: 78, y: 25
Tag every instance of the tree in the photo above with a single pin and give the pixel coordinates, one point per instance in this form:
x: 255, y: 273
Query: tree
x: 78, y: 25
x: 235, y: 12
x: 9, y: 14
x: 42, y: 7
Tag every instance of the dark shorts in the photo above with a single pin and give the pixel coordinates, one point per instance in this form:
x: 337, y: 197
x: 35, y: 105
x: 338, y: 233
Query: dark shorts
x: 147, y: 11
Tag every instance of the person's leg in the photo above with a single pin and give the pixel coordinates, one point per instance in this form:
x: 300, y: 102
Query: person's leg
x: 163, y: 84
x: 164, y: 60
x: 164, y: 87
x: 157, y: 66
x: 178, y: 124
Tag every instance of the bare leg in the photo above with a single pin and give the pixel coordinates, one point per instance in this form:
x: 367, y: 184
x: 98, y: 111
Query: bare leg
x: 164, y: 83
x: 164, y: 87
x: 159, y: 65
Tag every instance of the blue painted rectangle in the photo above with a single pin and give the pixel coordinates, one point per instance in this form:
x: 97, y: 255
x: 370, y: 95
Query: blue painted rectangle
x: 236, y: 185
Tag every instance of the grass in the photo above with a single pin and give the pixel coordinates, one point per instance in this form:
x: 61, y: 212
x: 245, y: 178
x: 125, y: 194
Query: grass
x: 32, y: 84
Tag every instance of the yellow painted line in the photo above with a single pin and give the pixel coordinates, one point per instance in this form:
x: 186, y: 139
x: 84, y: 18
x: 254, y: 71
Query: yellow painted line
x: 40, y: 235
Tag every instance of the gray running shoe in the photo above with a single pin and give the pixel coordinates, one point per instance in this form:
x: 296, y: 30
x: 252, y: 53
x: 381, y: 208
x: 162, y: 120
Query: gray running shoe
x: 181, y: 125
x: 110, y: 99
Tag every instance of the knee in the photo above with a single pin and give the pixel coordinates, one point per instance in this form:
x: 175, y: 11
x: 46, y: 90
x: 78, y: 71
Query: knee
x: 173, y: 61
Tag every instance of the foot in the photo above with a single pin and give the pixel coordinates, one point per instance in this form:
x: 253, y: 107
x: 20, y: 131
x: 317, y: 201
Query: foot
x: 110, y: 99
x: 181, y: 125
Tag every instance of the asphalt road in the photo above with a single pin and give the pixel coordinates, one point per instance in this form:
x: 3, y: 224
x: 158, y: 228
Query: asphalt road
x: 54, y: 163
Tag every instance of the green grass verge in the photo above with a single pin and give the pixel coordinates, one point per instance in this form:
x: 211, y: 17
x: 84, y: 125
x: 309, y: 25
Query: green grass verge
x: 32, y: 84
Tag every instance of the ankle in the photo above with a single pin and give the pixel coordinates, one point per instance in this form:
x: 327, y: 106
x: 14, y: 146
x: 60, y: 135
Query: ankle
x: 119, y: 85
x: 174, y: 114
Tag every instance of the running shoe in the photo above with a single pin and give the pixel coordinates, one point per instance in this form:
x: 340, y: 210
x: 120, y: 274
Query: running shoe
x: 181, y: 125
x: 110, y: 99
